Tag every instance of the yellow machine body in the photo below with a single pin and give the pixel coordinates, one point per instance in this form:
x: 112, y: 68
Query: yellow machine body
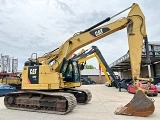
x: 47, y: 79
x: 11, y: 80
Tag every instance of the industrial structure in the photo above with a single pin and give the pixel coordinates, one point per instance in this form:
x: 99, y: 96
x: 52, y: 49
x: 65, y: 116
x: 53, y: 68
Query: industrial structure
x: 122, y: 65
x: 8, y: 64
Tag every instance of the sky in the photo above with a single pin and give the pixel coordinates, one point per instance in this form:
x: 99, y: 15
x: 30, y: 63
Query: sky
x: 40, y: 26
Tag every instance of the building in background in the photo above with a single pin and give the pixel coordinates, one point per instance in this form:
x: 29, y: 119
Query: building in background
x: 122, y: 65
x: 8, y: 64
x: 95, y: 75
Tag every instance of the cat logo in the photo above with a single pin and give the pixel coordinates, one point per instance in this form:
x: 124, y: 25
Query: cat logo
x: 98, y: 32
x: 33, y: 71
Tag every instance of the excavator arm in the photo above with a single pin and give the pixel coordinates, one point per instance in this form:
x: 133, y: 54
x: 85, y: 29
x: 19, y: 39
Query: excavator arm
x: 95, y: 52
x: 136, y: 29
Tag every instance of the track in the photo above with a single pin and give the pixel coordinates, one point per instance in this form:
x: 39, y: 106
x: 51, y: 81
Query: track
x: 83, y: 96
x: 36, y: 101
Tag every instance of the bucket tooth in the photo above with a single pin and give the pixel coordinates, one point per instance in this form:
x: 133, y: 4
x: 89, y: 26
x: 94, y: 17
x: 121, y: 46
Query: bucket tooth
x: 140, y: 105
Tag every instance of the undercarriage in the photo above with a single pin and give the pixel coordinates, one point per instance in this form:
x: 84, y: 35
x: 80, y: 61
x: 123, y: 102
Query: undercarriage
x: 56, y: 102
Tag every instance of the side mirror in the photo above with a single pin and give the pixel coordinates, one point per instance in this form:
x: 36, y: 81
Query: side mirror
x: 81, y: 66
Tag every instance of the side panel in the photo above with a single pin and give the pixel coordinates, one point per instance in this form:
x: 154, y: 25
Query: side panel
x: 40, y: 78
x: 33, y: 74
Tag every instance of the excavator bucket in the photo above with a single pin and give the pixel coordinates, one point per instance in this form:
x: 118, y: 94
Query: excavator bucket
x: 140, y: 105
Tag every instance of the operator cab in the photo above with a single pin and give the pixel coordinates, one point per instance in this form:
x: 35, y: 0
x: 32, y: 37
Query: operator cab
x: 70, y: 71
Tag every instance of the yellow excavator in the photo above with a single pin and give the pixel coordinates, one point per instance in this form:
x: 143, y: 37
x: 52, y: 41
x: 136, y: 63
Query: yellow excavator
x: 48, y: 82
x: 92, y: 52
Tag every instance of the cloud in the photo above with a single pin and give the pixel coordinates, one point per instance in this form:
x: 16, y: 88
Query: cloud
x: 40, y: 26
